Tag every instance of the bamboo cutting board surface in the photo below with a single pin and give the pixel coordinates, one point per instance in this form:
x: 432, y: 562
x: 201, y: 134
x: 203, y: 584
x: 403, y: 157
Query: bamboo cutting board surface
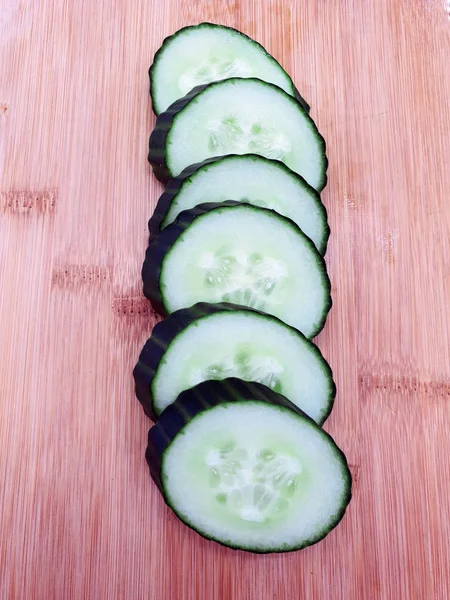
x: 79, y: 516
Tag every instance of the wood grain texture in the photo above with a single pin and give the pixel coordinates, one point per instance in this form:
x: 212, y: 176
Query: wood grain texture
x: 79, y: 516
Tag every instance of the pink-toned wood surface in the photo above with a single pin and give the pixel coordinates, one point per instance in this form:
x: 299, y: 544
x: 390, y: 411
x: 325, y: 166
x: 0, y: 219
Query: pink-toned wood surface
x: 79, y: 517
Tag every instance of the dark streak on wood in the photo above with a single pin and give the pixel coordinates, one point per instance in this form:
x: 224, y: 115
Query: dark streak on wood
x: 71, y: 276
x: 133, y: 306
x: 402, y: 384
x: 27, y: 201
x: 355, y: 470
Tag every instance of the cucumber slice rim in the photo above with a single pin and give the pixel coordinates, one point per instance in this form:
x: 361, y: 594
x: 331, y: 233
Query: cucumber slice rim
x: 208, y: 25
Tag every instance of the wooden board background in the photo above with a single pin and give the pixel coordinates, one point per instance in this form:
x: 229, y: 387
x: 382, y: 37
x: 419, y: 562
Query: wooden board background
x: 79, y: 516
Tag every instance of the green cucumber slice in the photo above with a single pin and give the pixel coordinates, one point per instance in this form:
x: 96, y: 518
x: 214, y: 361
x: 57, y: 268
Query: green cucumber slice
x: 237, y: 116
x: 183, y: 350
x: 245, y: 178
x: 200, y: 54
x: 241, y: 465
x: 242, y: 254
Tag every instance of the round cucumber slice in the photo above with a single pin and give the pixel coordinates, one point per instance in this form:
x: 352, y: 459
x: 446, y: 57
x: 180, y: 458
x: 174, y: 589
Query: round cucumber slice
x: 245, y: 178
x: 237, y: 116
x: 242, y: 466
x: 183, y: 350
x: 242, y: 254
x: 200, y: 54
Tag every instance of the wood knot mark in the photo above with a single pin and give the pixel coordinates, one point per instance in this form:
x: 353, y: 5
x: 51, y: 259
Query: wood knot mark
x: 4, y: 108
x: 388, y: 246
x: 27, y: 201
x: 355, y: 471
x: 352, y: 203
x: 133, y: 306
x: 401, y: 384
x: 71, y: 276
x: 210, y: 11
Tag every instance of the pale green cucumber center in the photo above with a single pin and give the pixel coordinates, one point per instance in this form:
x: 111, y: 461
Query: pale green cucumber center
x: 254, y: 475
x: 246, y: 135
x: 241, y: 277
x: 213, y: 68
x: 247, y: 256
x: 240, y: 116
x: 254, y: 486
x: 246, y: 363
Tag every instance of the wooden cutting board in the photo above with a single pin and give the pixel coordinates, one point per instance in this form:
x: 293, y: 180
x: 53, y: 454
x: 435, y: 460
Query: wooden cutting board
x: 80, y: 518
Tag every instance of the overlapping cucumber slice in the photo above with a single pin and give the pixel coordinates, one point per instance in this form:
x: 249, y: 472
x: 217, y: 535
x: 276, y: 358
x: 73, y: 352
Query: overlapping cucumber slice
x: 200, y: 54
x: 245, y: 178
x: 243, y: 466
x: 235, y: 264
x: 237, y: 116
x: 243, y: 254
x: 217, y: 341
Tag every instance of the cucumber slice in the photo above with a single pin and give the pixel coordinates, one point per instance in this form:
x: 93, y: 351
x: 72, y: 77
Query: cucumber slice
x: 243, y: 466
x: 245, y: 178
x: 200, y: 54
x: 243, y: 254
x: 237, y: 116
x: 183, y: 351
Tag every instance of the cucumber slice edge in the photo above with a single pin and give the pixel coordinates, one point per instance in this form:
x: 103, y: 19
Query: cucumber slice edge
x: 153, y: 263
x: 178, y: 416
x: 177, y: 184
x: 176, y: 324
x: 208, y: 25
x: 165, y: 120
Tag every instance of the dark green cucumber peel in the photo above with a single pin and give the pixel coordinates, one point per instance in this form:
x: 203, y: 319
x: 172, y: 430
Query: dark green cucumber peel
x: 201, y: 397
x: 157, y: 141
x: 172, y: 188
x: 164, y: 333
x: 158, y: 137
x: 175, y: 184
x: 156, y: 251
x: 154, y: 349
x: 207, y: 395
x: 207, y: 25
x: 157, y: 248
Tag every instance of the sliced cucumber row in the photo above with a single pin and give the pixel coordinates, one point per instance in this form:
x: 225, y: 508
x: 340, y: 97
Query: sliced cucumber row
x: 200, y: 54
x: 235, y: 263
x: 245, y: 178
x: 217, y: 341
x: 243, y: 466
x: 243, y: 254
x: 237, y: 116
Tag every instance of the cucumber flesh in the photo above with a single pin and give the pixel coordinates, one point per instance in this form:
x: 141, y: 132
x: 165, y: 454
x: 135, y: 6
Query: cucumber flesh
x: 245, y: 178
x: 249, y: 471
x: 200, y: 54
x: 242, y: 254
x: 237, y: 116
x: 183, y: 350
